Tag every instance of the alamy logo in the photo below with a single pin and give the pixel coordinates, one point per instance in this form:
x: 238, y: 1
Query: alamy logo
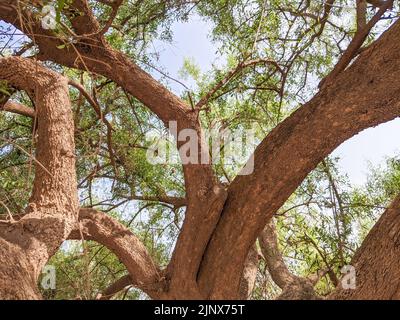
x: 48, y: 278
x: 231, y: 148
x: 49, y: 21
x: 349, y: 279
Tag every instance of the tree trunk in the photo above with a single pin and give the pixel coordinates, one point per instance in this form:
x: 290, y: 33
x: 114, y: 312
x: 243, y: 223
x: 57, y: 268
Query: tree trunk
x: 27, y: 244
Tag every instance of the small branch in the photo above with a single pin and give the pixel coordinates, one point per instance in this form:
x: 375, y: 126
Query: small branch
x: 18, y: 108
x: 356, y: 44
x: 361, y: 14
x: 277, y: 268
x: 29, y: 155
x: 100, y: 115
x: 116, y: 287
x: 175, y: 201
x: 377, y: 3
x: 293, y: 287
x: 233, y: 73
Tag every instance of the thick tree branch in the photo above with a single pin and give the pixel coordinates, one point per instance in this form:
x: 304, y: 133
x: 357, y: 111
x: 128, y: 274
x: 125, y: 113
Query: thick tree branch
x: 54, y: 190
x: 205, y: 196
x: 364, y: 95
x: 377, y: 261
x: 53, y: 207
x: 12, y: 106
x: 100, y: 227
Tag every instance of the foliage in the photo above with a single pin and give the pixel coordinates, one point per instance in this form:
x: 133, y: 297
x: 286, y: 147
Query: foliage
x: 320, y: 226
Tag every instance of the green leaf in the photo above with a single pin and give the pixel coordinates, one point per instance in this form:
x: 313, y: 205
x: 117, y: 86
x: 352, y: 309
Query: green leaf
x: 61, y: 46
x: 60, y: 7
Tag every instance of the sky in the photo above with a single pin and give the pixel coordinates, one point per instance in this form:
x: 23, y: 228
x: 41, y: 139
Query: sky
x: 368, y: 148
x: 191, y: 40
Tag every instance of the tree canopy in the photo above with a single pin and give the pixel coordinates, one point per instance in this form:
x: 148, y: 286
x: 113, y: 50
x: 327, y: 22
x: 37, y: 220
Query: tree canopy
x: 300, y: 76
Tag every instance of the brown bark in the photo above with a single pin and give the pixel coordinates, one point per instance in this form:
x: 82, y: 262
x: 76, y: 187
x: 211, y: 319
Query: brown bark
x: 377, y: 261
x: 205, y: 196
x: 26, y: 245
x: 249, y: 274
x: 364, y: 95
x: 15, y: 107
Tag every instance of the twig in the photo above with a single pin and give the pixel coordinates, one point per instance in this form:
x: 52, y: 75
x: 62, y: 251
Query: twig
x: 29, y: 155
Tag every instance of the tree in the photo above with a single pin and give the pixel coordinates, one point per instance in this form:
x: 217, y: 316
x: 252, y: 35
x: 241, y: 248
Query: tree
x: 215, y: 253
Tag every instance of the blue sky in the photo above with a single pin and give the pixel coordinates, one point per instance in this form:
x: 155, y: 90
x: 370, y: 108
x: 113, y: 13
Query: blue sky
x: 370, y: 147
x: 190, y: 40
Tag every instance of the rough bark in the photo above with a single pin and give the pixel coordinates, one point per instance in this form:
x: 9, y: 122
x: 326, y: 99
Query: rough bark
x: 26, y: 245
x: 377, y: 261
x: 205, y: 196
x: 364, y: 95
x: 249, y: 274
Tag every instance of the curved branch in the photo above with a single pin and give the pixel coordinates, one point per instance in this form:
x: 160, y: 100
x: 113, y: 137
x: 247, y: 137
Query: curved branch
x: 249, y: 275
x: 293, y: 287
x: 100, y: 227
x: 364, y: 95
